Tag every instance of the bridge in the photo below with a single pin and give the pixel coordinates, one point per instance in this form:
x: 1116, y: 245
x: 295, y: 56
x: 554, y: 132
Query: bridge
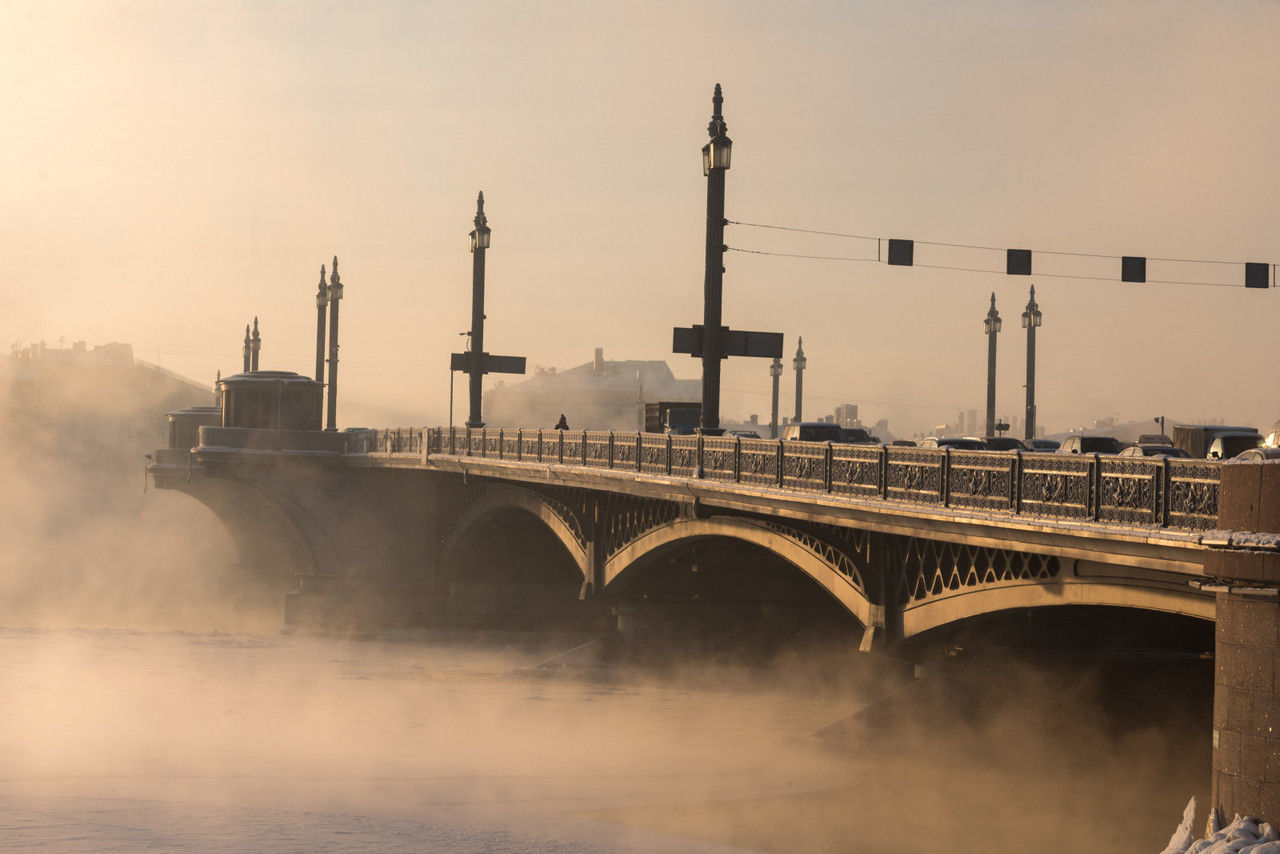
x: 644, y: 532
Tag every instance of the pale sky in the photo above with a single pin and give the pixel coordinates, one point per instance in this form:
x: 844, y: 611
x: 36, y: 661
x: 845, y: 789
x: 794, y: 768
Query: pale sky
x: 172, y: 169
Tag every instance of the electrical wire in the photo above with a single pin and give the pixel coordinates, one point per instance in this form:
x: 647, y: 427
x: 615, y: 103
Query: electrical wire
x: 1272, y: 268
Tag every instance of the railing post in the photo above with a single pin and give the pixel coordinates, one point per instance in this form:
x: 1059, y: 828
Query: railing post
x: 560, y: 454
x: 698, y: 470
x: 884, y: 471
x: 737, y: 459
x: 1163, y: 517
x: 453, y: 441
x: 539, y: 444
x: 944, y: 484
x: 1095, y: 487
x: 668, y: 453
x: 584, y: 447
x: 1015, y: 483
x: 484, y: 441
x: 520, y: 444
x: 782, y: 456
x: 639, y: 451
x: 502, y: 441
x: 610, y: 449
x: 826, y: 457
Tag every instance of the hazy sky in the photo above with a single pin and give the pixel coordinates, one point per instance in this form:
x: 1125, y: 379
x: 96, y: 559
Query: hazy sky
x: 171, y: 169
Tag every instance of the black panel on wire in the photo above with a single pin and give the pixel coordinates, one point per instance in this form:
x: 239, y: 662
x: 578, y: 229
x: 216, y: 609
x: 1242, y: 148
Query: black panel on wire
x: 1018, y: 262
x: 1255, y: 275
x: 901, y: 252
x: 1133, y: 268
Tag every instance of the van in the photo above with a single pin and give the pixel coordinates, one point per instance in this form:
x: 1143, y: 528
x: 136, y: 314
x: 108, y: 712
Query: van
x: 813, y: 431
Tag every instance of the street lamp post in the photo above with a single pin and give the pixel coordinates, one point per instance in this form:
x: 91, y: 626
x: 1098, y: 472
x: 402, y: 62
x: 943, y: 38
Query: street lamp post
x: 322, y: 300
x: 255, y: 347
x: 715, y: 162
x: 799, y: 362
x: 335, y: 300
x: 992, y: 326
x: 1031, y: 319
x: 775, y: 371
x: 479, y: 243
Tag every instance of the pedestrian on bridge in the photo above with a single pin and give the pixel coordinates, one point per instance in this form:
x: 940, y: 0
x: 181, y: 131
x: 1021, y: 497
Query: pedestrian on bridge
x: 563, y: 423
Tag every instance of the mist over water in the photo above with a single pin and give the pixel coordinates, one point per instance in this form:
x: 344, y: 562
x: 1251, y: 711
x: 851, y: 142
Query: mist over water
x: 149, y: 700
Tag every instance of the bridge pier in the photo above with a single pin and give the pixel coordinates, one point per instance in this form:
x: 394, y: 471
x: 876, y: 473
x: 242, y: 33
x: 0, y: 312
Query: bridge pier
x: 1246, y: 708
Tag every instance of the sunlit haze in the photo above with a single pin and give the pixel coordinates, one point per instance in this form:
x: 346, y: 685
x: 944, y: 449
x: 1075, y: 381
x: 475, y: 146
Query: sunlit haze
x: 172, y: 170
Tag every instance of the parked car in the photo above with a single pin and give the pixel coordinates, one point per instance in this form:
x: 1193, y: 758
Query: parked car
x: 1227, y: 445
x: 1091, y: 445
x: 1045, y: 445
x: 956, y: 443
x: 1005, y: 443
x: 903, y: 443
x: 745, y: 434
x: 1153, y: 450
x: 813, y: 431
x: 1266, y: 452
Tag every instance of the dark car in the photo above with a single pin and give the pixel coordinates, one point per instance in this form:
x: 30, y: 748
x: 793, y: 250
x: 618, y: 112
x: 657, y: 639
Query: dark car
x: 1045, y: 445
x: 745, y: 434
x: 1005, y: 443
x: 1091, y: 445
x: 955, y: 443
x: 1148, y: 450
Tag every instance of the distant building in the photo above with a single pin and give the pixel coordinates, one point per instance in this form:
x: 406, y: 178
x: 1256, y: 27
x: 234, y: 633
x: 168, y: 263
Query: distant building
x: 847, y: 415
x: 596, y: 395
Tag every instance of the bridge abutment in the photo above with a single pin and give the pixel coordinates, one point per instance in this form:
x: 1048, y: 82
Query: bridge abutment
x: 1246, y: 708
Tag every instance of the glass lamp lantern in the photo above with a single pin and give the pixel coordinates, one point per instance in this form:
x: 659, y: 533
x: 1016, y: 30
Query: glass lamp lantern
x: 992, y: 323
x: 716, y: 154
x: 480, y: 238
x: 1031, y: 318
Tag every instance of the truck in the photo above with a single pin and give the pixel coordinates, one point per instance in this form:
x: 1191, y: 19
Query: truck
x: 1195, y: 439
x: 672, y: 416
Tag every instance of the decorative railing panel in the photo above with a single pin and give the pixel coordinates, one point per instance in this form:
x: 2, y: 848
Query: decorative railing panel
x: 599, y: 446
x: 804, y: 465
x: 981, y: 479
x: 719, y: 458
x: 857, y: 469
x: 1118, y: 490
x: 1129, y: 489
x: 758, y: 463
x: 684, y: 455
x: 653, y: 453
x: 624, y: 450
x: 1191, y: 494
x: 1056, y: 485
x: 915, y: 475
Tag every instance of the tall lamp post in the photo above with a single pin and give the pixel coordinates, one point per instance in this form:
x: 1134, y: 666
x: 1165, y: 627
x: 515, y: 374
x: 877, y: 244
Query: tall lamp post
x: 1031, y: 319
x: 992, y: 326
x: 799, y: 362
x: 335, y: 299
x: 775, y: 371
x: 480, y: 236
x: 715, y: 162
x: 322, y: 302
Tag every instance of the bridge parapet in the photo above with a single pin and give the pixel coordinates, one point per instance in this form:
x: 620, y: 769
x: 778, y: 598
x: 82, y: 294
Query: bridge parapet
x: 1172, y: 493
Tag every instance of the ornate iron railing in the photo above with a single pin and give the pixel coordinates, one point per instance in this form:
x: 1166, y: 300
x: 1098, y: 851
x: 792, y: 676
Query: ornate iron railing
x: 1163, y: 492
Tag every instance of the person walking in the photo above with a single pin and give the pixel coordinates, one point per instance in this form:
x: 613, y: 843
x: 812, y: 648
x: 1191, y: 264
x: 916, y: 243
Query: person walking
x: 563, y: 423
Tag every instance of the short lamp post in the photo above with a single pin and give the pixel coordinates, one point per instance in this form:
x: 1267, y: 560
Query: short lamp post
x: 1031, y: 319
x: 992, y: 327
x: 775, y: 371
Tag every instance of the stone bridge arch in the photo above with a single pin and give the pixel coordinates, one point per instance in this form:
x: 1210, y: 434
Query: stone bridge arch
x: 832, y: 569
x: 561, y: 521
